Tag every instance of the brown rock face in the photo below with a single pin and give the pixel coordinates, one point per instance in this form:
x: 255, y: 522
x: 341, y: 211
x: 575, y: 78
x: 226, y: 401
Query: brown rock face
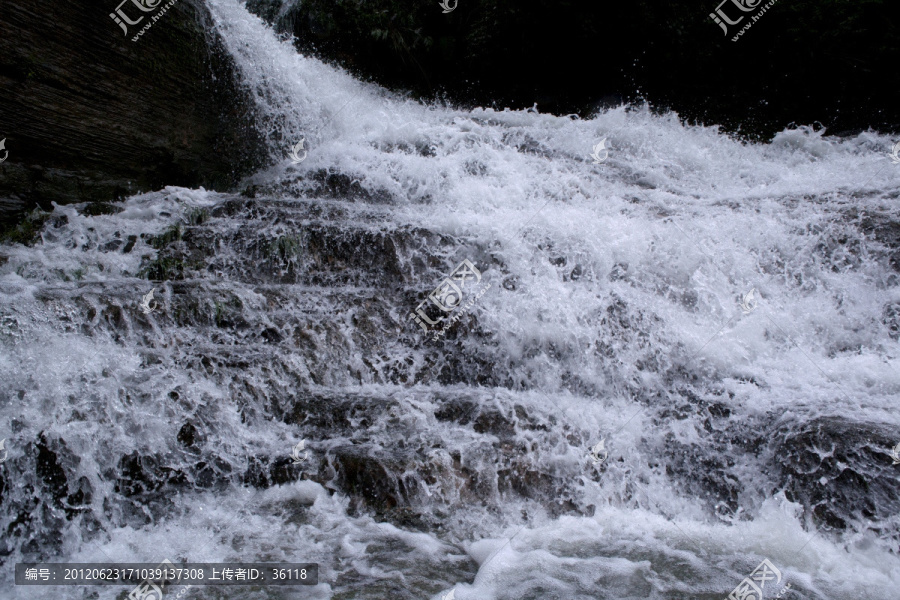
x: 88, y: 114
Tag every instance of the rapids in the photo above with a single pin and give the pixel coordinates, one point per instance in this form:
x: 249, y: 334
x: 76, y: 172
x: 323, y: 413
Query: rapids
x: 734, y: 432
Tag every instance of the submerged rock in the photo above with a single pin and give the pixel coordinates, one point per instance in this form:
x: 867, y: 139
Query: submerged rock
x: 841, y: 472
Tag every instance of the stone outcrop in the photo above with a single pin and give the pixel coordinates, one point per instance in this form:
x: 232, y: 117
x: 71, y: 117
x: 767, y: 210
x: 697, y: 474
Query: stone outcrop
x: 88, y: 114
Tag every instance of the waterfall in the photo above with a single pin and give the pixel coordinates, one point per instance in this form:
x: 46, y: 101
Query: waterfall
x: 722, y: 315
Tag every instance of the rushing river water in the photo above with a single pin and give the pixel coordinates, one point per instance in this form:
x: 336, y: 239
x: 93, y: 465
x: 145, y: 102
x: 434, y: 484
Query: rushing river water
x: 723, y: 316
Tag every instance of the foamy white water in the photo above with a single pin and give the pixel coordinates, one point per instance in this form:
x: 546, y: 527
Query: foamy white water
x: 614, y: 314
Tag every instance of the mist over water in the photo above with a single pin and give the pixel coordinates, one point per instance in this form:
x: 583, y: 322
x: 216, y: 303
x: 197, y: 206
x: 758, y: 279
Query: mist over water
x: 614, y: 313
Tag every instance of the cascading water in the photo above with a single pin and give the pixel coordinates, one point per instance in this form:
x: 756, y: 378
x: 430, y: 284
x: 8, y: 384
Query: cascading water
x: 736, y: 427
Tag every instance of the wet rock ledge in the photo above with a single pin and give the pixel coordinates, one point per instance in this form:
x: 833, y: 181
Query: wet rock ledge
x: 90, y: 115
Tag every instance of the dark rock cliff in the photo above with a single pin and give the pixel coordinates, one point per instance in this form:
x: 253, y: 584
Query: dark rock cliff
x: 88, y: 114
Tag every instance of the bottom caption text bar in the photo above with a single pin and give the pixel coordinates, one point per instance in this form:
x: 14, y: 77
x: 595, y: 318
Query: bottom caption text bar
x: 167, y: 573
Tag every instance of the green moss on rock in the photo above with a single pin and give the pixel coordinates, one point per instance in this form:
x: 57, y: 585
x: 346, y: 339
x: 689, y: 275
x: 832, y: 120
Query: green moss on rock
x: 28, y: 231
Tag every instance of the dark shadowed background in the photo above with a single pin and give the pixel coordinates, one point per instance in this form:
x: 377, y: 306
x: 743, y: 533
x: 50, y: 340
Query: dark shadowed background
x: 829, y: 61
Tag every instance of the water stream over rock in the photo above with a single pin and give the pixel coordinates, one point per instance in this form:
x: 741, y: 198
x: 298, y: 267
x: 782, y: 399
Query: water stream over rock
x: 612, y: 311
